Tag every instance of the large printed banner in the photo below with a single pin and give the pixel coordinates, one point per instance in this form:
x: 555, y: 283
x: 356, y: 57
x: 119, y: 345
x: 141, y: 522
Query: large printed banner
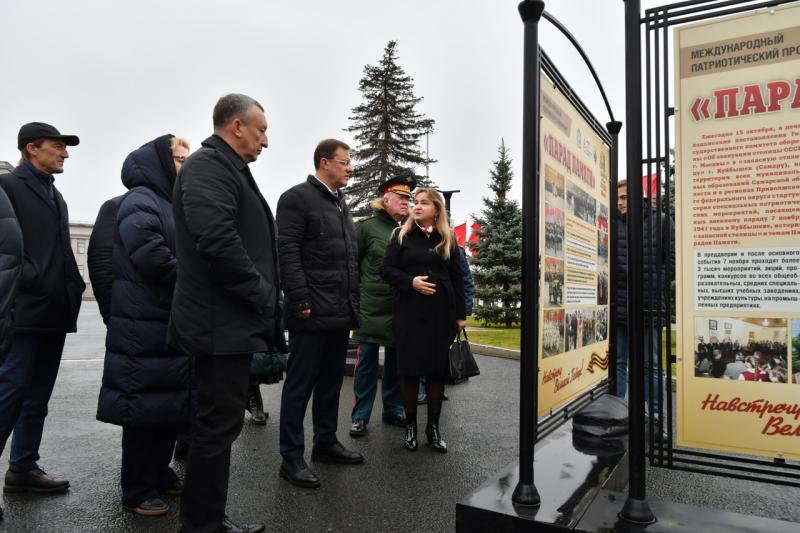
x: 738, y: 126
x: 575, y: 272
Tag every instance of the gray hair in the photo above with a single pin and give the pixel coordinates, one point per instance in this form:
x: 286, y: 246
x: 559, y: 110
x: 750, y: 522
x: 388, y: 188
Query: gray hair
x: 232, y: 106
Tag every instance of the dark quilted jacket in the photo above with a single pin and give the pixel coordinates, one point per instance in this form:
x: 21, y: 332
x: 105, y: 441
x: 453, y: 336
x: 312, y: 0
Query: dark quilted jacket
x: 654, y: 265
x: 145, y: 383
x: 318, y: 253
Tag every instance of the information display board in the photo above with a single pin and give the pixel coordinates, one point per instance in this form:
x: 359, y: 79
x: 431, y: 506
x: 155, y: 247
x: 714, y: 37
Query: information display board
x: 738, y: 220
x: 573, y: 350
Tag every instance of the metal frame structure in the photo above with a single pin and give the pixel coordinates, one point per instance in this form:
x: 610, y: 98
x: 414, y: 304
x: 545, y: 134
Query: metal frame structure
x: 535, y: 60
x: 658, y: 135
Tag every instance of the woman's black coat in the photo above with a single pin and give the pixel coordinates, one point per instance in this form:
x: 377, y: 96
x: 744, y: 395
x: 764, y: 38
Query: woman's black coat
x: 424, y: 326
x: 227, y: 295
x: 145, y: 383
x: 10, y: 268
x: 49, y: 296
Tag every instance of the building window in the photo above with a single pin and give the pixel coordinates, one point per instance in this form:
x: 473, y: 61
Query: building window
x: 81, y: 246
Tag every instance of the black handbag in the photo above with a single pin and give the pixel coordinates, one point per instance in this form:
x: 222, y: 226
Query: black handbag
x: 268, y: 367
x: 462, y: 363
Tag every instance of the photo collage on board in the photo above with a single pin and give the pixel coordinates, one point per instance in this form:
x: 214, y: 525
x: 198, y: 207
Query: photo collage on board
x: 553, y: 335
x: 748, y: 349
x: 575, y: 266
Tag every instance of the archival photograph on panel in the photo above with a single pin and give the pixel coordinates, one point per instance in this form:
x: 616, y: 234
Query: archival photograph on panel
x: 553, y: 336
x: 553, y: 231
x: 602, y: 287
x: 553, y: 186
x: 580, y: 328
x: 601, y: 324
x: 602, y: 217
x: 602, y: 248
x: 553, y: 282
x: 587, y: 328
x: 746, y: 349
x: 581, y: 204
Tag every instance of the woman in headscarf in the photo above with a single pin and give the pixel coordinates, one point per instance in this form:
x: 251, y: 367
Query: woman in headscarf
x: 146, y: 385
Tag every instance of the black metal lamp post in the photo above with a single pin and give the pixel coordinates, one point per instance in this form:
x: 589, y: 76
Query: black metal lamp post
x: 636, y: 509
x: 525, y: 493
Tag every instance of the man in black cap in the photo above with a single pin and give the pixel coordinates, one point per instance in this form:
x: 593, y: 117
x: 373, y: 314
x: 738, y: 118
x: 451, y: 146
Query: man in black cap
x: 46, y: 307
x: 373, y: 233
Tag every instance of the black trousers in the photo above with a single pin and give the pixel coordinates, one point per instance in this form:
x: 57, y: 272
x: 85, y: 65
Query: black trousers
x: 146, y: 454
x: 27, y: 376
x: 316, y: 366
x: 221, y: 399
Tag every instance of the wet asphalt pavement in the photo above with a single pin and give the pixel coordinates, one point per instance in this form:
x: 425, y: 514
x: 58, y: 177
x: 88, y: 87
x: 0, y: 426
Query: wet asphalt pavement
x: 393, y: 491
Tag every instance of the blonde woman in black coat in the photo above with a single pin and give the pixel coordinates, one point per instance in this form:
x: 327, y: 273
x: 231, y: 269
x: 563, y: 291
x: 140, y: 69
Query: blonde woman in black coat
x: 421, y: 264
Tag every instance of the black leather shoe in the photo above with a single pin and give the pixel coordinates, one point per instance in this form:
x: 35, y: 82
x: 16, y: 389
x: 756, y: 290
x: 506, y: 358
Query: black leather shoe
x: 181, y: 452
x: 229, y: 527
x: 297, y: 472
x: 336, y: 453
x: 435, y: 438
x: 255, y: 404
x: 358, y: 429
x: 35, y: 480
x: 151, y: 507
x: 398, y: 420
x: 410, y: 440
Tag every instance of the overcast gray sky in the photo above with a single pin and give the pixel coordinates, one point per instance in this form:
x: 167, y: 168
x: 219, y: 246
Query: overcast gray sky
x: 118, y: 74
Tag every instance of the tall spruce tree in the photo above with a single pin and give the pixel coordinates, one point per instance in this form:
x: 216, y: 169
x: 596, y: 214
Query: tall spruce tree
x: 498, y: 261
x: 388, y: 129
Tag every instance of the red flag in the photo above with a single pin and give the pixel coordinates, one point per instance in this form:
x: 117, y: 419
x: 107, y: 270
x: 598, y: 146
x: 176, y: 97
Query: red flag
x: 461, y: 233
x: 653, y: 185
x: 473, y: 237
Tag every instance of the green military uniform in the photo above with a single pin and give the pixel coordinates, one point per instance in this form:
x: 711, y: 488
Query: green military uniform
x: 376, y: 322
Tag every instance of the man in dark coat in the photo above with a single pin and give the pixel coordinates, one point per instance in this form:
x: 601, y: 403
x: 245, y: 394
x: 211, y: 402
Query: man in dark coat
x: 319, y: 272
x: 146, y: 385
x: 98, y: 255
x: 376, y: 309
x: 46, y: 307
x: 226, y: 304
x: 658, y: 234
